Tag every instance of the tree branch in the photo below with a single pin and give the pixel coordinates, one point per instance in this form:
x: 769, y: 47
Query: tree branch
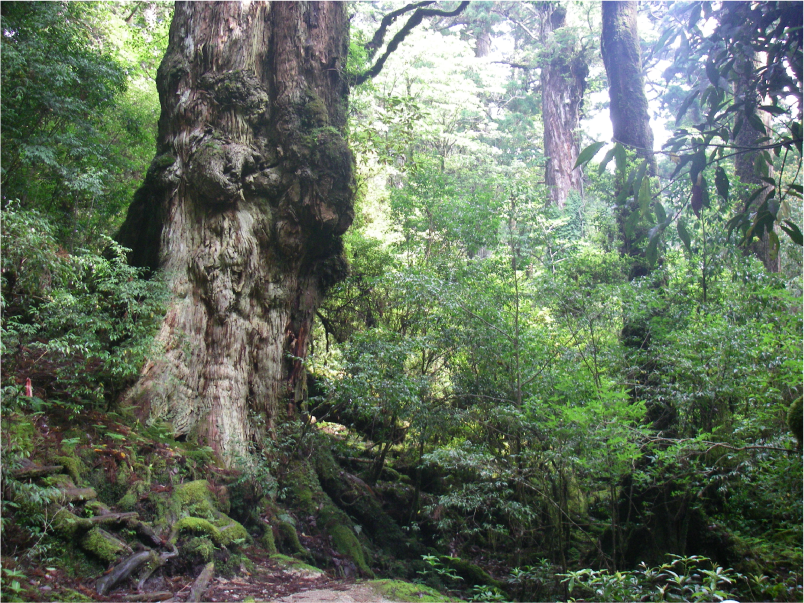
x: 379, y: 36
x: 414, y: 20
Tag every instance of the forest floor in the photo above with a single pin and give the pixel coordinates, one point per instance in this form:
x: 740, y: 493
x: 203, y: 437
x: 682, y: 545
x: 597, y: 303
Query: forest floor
x: 270, y: 579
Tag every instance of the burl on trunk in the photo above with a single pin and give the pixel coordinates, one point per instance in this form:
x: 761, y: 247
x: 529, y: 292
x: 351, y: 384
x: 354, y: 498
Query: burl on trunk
x: 242, y: 211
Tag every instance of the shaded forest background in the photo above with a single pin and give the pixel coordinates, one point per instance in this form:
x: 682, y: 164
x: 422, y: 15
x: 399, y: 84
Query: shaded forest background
x: 544, y: 377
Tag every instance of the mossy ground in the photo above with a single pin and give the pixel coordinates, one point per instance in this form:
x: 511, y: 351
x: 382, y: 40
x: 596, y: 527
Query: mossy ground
x: 397, y: 590
x: 292, y: 563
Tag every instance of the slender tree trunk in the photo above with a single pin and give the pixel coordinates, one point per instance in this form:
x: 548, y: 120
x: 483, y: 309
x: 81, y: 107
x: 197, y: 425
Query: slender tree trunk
x: 563, y: 82
x: 745, y: 90
x: 242, y: 211
x: 628, y: 106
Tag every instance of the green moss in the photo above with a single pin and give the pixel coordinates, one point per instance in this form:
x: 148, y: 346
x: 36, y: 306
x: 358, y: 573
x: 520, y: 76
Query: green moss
x: 268, y: 542
x: 233, y: 565
x: 291, y: 563
x: 95, y: 507
x: 73, y: 466
x: 314, y: 114
x: 59, y: 481
x: 163, y: 161
x: 231, y: 531
x: 290, y: 539
x: 69, y: 595
x: 396, y: 590
x: 103, y: 545
x: 133, y: 494
x: 299, y: 481
x: 66, y: 524
x: 195, y: 498
x: 197, y: 526
x: 225, y: 534
x: 795, y: 420
x: 346, y: 543
x: 471, y: 573
x: 200, y: 546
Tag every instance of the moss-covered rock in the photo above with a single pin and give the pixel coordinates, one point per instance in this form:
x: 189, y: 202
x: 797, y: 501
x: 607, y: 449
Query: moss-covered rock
x: 310, y: 498
x: 199, y: 547
x: 193, y: 498
x: 289, y: 538
x: 268, y: 541
x: 364, y: 505
x: 471, y: 573
x: 226, y: 532
x: 795, y: 420
x: 232, y: 565
x: 133, y: 494
x: 396, y: 590
x: 103, y: 545
x: 73, y: 466
x: 346, y: 543
x: 294, y: 564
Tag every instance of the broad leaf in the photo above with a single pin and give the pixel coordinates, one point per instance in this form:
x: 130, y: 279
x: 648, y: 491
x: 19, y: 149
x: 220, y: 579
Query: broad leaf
x: 722, y: 183
x: 588, y: 153
x: 684, y: 235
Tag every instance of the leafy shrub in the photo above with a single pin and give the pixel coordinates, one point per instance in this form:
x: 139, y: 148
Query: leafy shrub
x: 79, y: 326
x: 693, y: 578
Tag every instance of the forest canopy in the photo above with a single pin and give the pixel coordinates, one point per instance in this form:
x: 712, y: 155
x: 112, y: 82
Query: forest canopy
x: 501, y: 299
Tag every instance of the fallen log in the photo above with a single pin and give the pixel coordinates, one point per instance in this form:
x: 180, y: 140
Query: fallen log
x: 75, y: 494
x: 37, y: 471
x: 112, y: 518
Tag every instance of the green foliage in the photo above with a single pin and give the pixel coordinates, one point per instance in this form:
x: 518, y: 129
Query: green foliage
x: 78, y: 124
x: 693, y: 578
x: 84, y: 322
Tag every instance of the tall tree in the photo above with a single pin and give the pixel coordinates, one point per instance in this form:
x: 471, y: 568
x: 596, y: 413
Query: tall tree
x: 563, y: 81
x: 628, y: 106
x: 242, y: 210
x: 752, y: 133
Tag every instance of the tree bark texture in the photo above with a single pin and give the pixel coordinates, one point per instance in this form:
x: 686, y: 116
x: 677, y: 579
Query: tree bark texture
x: 242, y: 211
x: 628, y: 105
x: 745, y: 90
x: 563, y: 82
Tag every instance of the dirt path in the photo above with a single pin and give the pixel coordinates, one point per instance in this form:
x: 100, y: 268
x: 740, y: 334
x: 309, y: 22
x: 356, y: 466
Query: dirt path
x: 278, y: 579
x: 351, y: 593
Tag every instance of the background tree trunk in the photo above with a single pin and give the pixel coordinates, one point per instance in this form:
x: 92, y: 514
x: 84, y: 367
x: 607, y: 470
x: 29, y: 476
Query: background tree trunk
x: 563, y: 81
x: 628, y: 106
x: 242, y: 210
x: 748, y: 136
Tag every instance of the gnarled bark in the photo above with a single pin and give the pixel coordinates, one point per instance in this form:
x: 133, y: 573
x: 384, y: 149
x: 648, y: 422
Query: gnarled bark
x: 242, y: 210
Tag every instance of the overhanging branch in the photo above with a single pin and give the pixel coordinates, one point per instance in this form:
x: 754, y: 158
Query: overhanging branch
x: 414, y: 20
x: 388, y: 20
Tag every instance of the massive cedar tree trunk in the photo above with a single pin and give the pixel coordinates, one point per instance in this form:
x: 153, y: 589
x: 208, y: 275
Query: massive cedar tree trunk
x: 242, y: 210
x: 628, y: 105
x: 563, y: 81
